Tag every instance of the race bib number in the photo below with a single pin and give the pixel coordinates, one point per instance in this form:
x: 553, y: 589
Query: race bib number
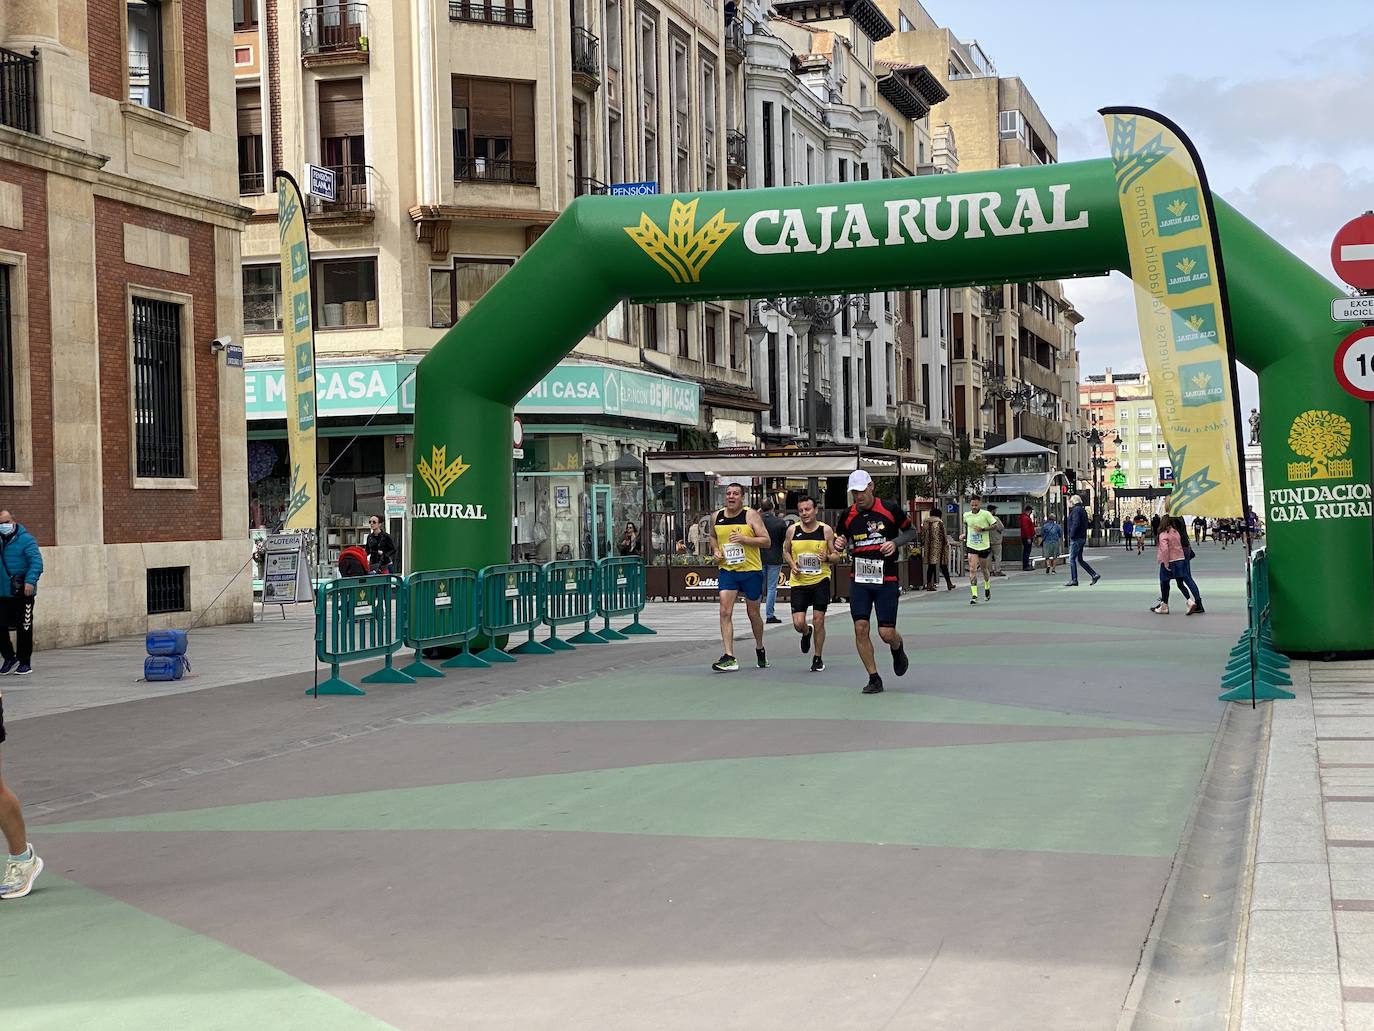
x: 809, y: 562
x: 868, y: 570
x: 976, y: 538
x: 734, y: 554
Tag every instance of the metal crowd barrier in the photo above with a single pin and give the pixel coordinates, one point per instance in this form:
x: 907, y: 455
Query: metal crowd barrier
x: 360, y: 617
x: 620, y: 592
x: 442, y: 609
x: 958, y: 562
x: 1256, y: 670
x: 570, y: 598
x: 512, y: 598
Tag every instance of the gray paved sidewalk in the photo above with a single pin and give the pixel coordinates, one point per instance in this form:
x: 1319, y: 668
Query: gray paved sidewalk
x: 1309, y: 958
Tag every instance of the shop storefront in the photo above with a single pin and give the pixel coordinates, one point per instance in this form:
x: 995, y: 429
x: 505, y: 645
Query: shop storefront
x: 580, y: 481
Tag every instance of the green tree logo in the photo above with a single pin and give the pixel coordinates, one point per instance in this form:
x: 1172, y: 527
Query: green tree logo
x: 1321, y: 437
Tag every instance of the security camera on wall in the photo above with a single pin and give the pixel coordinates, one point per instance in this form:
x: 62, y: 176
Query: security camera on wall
x: 220, y: 344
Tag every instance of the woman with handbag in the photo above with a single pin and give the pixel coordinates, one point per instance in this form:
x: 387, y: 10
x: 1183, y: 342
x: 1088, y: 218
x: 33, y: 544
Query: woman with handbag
x: 1173, y: 565
x: 22, y: 565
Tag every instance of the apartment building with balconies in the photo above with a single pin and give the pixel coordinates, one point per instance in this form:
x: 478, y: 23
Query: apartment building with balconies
x: 456, y: 131
x: 1013, y: 343
x: 121, y: 424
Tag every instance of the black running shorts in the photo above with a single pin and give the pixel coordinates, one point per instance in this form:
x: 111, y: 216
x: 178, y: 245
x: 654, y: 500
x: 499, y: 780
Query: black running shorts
x: 811, y: 596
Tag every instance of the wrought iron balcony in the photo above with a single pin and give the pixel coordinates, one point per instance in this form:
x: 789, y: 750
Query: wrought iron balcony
x: 587, y: 186
x: 251, y: 184
x: 352, y: 192
x: 492, y: 13
x: 494, y: 170
x: 737, y: 153
x: 19, y: 90
x: 586, y: 58
x: 736, y: 42
x: 337, y: 30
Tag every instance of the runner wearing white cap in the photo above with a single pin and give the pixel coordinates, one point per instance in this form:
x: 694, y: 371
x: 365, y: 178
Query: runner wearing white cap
x: 873, y: 531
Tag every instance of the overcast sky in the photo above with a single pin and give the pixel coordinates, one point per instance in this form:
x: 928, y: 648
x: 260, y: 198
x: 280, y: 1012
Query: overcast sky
x: 1276, y: 97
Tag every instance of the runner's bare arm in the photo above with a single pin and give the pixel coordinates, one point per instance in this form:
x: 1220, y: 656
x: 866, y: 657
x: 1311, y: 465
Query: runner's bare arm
x: 760, y: 538
x: 787, y: 548
x: 833, y: 545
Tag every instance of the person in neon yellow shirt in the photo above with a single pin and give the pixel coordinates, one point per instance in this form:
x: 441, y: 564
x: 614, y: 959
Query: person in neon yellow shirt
x: 977, y: 537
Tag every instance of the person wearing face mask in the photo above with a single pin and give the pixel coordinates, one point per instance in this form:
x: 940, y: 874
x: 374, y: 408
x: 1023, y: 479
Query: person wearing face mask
x: 21, y: 565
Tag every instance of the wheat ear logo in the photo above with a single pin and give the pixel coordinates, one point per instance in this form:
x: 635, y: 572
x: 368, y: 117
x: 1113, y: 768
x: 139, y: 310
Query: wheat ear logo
x: 1321, y: 437
x: 1186, y: 265
x: 1178, y: 207
x: 1201, y: 380
x: 683, y: 250
x: 439, y: 474
x: 1195, y: 322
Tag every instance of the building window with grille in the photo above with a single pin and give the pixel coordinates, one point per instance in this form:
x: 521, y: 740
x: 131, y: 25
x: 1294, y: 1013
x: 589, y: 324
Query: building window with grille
x: 252, y: 180
x: 493, y: 131
x: 262, y: 298
x: 9, y: 422
x: 159, y: 382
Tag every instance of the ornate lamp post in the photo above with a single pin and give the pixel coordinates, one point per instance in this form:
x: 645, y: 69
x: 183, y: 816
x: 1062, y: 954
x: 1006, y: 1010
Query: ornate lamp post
x: 1096, y: 442
x: 812, y: 319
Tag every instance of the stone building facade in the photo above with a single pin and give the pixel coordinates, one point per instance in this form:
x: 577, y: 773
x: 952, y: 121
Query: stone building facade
x: 121, y: 425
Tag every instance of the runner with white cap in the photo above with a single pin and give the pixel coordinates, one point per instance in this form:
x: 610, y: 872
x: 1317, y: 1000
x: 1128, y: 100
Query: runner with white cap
x: 873, y: 531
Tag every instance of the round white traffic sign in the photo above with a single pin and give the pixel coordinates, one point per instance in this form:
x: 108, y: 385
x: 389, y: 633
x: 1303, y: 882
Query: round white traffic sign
x: 1352, y: 252
x: 1355, y: 364
x: 518, y: 432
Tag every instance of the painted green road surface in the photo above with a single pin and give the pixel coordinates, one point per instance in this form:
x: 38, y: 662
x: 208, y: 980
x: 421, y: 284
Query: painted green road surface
x: 1118, y: 796
x: 687, y: 695
x: 75, y: 958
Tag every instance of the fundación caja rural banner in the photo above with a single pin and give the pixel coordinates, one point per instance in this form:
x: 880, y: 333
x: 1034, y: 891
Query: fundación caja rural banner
x: 1180, y: 294
x: 298, y: 334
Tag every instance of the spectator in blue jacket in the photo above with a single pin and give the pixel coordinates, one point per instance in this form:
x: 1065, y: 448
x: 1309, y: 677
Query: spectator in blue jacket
x: 1078, y: 539
x: 22, y: 565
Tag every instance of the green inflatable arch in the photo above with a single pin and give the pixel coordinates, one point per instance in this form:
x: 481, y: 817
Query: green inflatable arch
x: 1010, y: 225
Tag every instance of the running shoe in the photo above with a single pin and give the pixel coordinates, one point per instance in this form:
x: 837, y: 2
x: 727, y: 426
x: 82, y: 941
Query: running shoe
x: 22, y: 670
x: 987, y: 592
x: 874, y: 685
x: 900, y: 663
x: 973, y: 601
x: 8, y: 667
x: 726, y: 664
x: 762, y: 657
x: 806, y: 639
x: 817, y: 664
x: 17, y: 880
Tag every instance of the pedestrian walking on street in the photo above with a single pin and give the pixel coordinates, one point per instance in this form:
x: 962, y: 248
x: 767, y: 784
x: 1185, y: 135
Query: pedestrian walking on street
x: 809, y: 548
x: 874, y: 530
x: 735, y: 540
x: 380, y: 548
x: 21, y: 564
x: 1078, y: 539
x: 22, y: 865
x: 934, y: 544
x: 995, y: 533
x: 1127, y: 531
x: 1140, y: 526
x: 1027, y: 537
x: 977, y: 539
x: 776, y: 528
x: 1172, y: 555
x: 1052, y: 540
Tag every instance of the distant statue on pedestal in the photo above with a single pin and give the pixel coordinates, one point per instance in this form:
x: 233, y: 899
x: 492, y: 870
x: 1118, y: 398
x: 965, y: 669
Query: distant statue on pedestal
x: 1254, y: 427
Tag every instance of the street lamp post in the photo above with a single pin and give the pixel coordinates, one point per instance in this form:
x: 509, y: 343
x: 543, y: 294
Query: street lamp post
x: 812, y: 320
x: 1096, y: 443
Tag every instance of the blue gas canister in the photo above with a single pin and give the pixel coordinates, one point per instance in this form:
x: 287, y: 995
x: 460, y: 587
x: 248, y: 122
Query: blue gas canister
x: 165, y: 667
x: 166, y: 642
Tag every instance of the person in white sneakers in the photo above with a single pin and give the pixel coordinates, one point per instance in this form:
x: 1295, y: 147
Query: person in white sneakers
x: 22, y: 865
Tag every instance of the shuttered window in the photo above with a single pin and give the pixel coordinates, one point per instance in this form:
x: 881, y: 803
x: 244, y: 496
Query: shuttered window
x: 493, y: 130
x: 342, y: 142
x: 251, y: 178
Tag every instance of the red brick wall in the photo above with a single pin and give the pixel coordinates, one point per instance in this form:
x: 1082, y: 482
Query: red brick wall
x: 103, y: 21
x: 155, y: 515
x: 34, y: 505
x: 197, y: 62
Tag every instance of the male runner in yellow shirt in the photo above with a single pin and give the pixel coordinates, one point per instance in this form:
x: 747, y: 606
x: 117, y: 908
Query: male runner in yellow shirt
x: 809, y: 548
x: 737, y: 535
x: 978, y: 524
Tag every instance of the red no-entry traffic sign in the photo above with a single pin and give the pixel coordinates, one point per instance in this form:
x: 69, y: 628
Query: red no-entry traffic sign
x: 1355, y: 364
x: 1352, y: 252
